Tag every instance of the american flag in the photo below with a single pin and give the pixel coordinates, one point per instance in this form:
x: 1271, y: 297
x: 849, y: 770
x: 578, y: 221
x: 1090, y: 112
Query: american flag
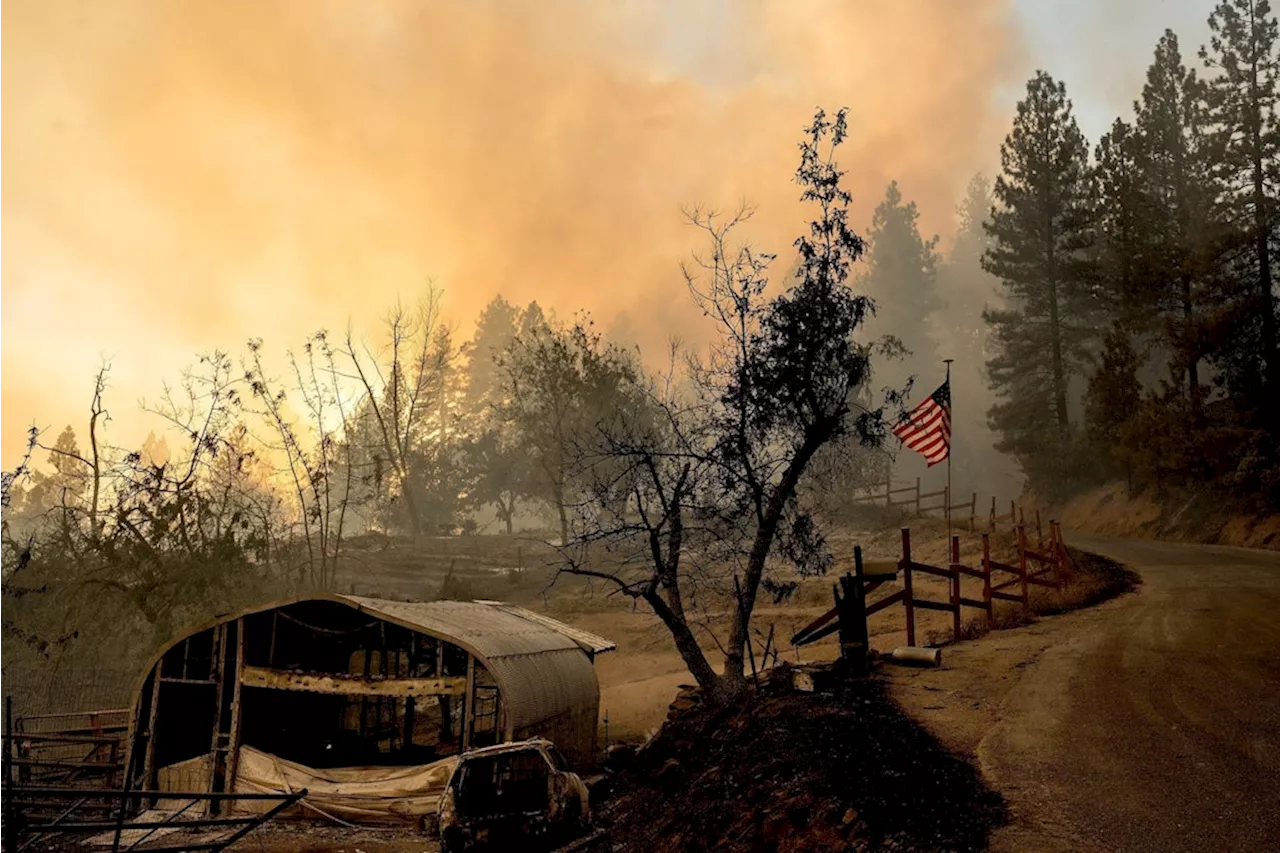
x: 926, y: 429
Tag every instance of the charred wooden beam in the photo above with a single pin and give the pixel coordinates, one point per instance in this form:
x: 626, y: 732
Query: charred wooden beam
x: 352, y: 685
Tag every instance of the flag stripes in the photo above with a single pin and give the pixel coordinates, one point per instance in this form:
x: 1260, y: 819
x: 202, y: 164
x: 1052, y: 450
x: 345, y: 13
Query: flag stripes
x: 926, y: 429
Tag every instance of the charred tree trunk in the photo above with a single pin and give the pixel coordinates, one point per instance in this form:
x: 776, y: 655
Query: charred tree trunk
x: 735, y: 677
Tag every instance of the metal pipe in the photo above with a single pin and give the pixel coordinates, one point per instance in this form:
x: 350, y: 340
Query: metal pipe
x: 915, y: 656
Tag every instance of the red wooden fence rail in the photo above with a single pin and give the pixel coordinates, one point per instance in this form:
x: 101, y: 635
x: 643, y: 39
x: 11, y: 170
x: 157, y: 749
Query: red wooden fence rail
x: 1051, y: 569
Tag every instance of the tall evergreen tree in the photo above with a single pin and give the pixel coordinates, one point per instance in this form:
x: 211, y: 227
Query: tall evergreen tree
x: 1242, y: 101
x: 967, y: 290
x: 972, y: 240
x: 1112, y: 405
x: 901, y: 279
x: 1122, y: 228
x: 495, y: 330
x: 1170, y: 131
x: 1041, y: 232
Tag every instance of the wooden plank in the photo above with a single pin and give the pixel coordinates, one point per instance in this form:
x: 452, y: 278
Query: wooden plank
x: 886, y: 602
x: 955, y: 587
x: 219, y: 672
x: 934, y: 605
x: 1006, y: 596
x: 799, y: 637
x: 205, y: 682
x: 965, y: 570
x: 856, y: 587
x: 469, y: 700
x: 352, y: 685
x: 908, y: 596
x: 814, y: 636
x: 1043, y: 558
x: 996, y: 565
x: 931, y: 570
x: 986, y: 573
x: 149, y: 757
x: 1042, y: 582
x: 233, y: 739
x: 973, y: 602
x: 1022, y: 562
x: 1007, y: 584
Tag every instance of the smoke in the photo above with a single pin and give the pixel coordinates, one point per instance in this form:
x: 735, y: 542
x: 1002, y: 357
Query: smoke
x: 184, y: 175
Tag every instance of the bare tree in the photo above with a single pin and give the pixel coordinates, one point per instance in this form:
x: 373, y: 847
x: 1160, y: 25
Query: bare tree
x: 405, y: 388
x: 315, y: 453
x: 700, y: 496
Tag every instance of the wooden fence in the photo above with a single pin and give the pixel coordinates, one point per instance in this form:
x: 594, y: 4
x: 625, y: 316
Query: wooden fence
x: 1046, y: 566
x: 919, y: 503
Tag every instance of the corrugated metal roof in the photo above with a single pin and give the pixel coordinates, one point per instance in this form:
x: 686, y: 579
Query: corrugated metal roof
x: 539, y: 663
x: 593, y: 643
x: 489, y: 631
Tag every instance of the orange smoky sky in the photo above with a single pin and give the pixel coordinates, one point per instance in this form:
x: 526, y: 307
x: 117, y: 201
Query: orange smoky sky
x: 183, y: 175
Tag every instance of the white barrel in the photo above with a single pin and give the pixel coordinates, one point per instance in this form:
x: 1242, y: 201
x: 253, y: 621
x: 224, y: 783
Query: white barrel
x: 915, y: 656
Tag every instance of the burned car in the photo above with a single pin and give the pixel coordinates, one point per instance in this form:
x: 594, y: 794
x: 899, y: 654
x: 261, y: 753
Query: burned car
x: 519, y: 792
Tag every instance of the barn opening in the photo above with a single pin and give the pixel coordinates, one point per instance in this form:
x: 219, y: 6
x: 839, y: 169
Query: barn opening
x: 363, y: 701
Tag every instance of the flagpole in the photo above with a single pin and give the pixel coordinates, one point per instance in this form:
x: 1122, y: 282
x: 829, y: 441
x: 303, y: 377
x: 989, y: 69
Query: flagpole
x: 950, y: 441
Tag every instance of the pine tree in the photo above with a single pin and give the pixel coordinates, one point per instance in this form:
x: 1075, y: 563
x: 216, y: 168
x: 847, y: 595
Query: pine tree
x: 1113, y: 403
x: 972, y: 240
x: 967, y: 290
x: 1242, y: 101
x: 1041, y: 232
x: 1174, y: 172
x: 1123, y: 226
x: 901, y: 279
x: 495, y: 330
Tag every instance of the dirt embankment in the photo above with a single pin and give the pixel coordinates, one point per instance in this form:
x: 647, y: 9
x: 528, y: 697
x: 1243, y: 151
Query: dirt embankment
x: 1112, y: 511
x: 840, y: 769
x: 864, y: 764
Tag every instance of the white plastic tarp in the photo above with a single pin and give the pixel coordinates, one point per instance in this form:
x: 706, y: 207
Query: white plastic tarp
x: 361, y: 795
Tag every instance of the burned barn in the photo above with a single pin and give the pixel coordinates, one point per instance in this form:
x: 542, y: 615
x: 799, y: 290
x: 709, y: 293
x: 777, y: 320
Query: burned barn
x: 361, y: 700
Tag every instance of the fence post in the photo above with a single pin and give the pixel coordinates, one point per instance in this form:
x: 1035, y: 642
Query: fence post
x: 1013, y: 517
x: 973, y: 513
x: 856, y: 606
x: 906, y: 586
x: 917, y: 497
x: 1022, y: 517
x: 10, y: 822
x: 1039, y: 531
x: 955, y: 587
x: 991, y: 524
x: 986, y: 579
x: 1059, y: 550
x: 1022, y: 565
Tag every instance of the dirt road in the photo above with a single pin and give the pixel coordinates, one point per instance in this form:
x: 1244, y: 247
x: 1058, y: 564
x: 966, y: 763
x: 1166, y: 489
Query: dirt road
x: 1152, y: 724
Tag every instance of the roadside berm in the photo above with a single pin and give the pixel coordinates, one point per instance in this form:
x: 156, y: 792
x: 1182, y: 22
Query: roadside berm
x: 837, y: 764
x: 840, y: 768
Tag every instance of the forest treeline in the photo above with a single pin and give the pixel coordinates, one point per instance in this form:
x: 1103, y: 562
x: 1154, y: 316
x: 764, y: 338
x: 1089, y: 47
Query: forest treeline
x: 1138, y: 335
x: 1117, y: 298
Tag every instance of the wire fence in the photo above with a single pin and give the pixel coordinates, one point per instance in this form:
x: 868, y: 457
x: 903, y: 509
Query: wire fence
x: 51, y: 689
